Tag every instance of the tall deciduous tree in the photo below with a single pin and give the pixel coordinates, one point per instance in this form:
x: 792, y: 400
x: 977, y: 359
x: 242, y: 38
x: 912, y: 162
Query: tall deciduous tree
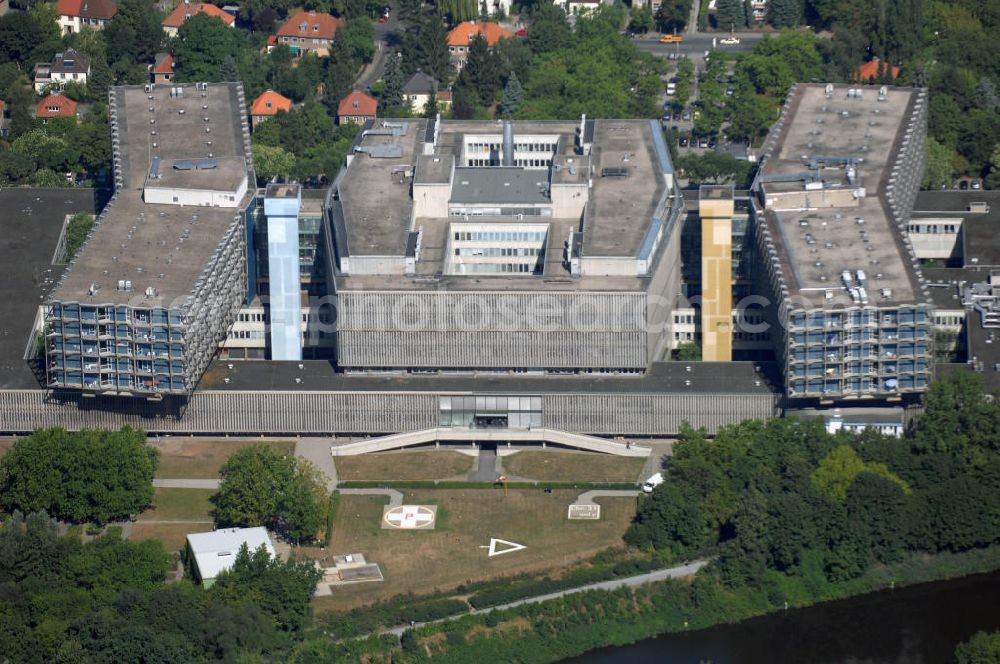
x: 730, y: 14
x: 205, y: 48
x: 263, y: 487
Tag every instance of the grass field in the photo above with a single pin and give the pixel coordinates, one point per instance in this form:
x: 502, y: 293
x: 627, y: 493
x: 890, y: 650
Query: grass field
x: 422, y: 561
x: 180, y: 505
x: 183, y: 458
x: 436, y: 465
x: 173, y: 535
x: 572, y: 466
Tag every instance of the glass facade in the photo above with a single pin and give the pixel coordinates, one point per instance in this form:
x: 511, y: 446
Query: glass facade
x: 491, y: 412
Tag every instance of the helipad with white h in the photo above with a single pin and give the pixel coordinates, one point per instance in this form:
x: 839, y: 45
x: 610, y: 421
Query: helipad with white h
x: 409, y: 517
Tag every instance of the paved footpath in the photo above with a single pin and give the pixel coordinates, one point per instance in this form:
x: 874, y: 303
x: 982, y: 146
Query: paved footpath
x: 186, y: 484
x: 678, y: 572
x: 587, y: 498
x: 395, y: 497
x: 317, y: 450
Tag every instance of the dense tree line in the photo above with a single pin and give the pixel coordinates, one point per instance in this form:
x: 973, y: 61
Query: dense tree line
x: 789, y: 497
x: 90, y: 475
x: 107, y: 601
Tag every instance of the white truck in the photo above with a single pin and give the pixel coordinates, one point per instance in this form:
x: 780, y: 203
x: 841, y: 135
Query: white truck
x: 653, y: 482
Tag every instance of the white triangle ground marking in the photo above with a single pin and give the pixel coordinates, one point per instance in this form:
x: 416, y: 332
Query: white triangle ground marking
x: 512, y: 546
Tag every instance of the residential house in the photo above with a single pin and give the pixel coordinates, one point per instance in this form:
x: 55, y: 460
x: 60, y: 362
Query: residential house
x: 872, y: 70
x: 74, y: 15
x: 356, y: 107
x: 460, y: 38
x: 215, y: 552
x: 309, y: 31
x: 68, y: 66
x: 163, y: 68
x: 417, y: 91
x: 186, y: 10
x: 266, y: 105
x: 55, y: 106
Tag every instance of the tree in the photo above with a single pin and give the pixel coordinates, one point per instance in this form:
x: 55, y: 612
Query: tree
x: 938, y: 169
x: 480, y: 72
x: 135, y: 33
x: 640, y: 20
x: 340, y: 71
x: 263, y: 487
x: 993, y: 178
x: 784, y: 13
x: 360, y: 38
x: 272, y: 161
x: 982, y: 648
x: 688, y: 352
x: 25, y: 39
x: 513, y: 95
x: 986, y: 97
x: 91, y: 475
x: 837, y: 472
x: 549, y: 29
x: 392, y: 93
x: 205, y: 48
x: 672, y: 15
x: 729, y: 14
x: 425, y: 47
x: 283, y: 590
x: 668, y: 520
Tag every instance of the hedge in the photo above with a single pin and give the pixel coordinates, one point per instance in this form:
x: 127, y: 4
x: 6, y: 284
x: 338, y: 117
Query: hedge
x: 434, y: 484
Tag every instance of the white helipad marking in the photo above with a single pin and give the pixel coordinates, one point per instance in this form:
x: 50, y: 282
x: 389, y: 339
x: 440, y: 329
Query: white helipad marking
x: 511, y: 547
x: 408, y: 517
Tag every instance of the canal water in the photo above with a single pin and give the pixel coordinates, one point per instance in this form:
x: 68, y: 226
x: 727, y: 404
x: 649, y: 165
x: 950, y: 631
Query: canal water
x: 916, y: 625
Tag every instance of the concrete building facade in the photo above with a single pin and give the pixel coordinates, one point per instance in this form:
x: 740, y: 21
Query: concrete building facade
x: 471, y: 245
x: 833, y: 197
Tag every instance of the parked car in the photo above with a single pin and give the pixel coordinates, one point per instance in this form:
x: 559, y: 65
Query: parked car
x: 703, y: 143
x: 964, y: 185
x: 976, y: 184
x: 686, y: 116
x: 683, y: 142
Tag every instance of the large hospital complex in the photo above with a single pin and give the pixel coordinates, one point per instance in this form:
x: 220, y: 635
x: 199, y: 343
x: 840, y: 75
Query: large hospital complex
x: 526, y: 278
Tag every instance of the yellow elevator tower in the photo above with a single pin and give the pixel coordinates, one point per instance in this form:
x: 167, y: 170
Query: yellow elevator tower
x: 716, y: 208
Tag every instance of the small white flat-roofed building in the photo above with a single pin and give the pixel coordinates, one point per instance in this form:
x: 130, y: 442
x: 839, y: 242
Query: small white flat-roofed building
x: 215, y: 552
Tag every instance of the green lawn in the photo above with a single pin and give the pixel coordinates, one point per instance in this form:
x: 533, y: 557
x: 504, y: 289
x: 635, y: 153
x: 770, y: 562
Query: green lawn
x: 180, y: 505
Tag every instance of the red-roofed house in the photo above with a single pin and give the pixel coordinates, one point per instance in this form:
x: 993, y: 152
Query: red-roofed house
x: 75, y: 15
x: 186, y: 10
x: 163, y: 68
x: 55, y: 106
x: 266, y: 105
x: 461, y: 36
x: 872, y: 70
x: 309, y: 31
x: 356, y: 107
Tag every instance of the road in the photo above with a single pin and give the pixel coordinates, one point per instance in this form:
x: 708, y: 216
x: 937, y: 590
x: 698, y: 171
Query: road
x: 678, y: 572
x: 696, y: 44
x: 385, y: 41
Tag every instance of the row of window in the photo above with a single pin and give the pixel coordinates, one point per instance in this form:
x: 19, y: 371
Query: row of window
x: 485, y: 268
x: 499, y: 251
x: 499, y: 236
x: 932, y: 228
